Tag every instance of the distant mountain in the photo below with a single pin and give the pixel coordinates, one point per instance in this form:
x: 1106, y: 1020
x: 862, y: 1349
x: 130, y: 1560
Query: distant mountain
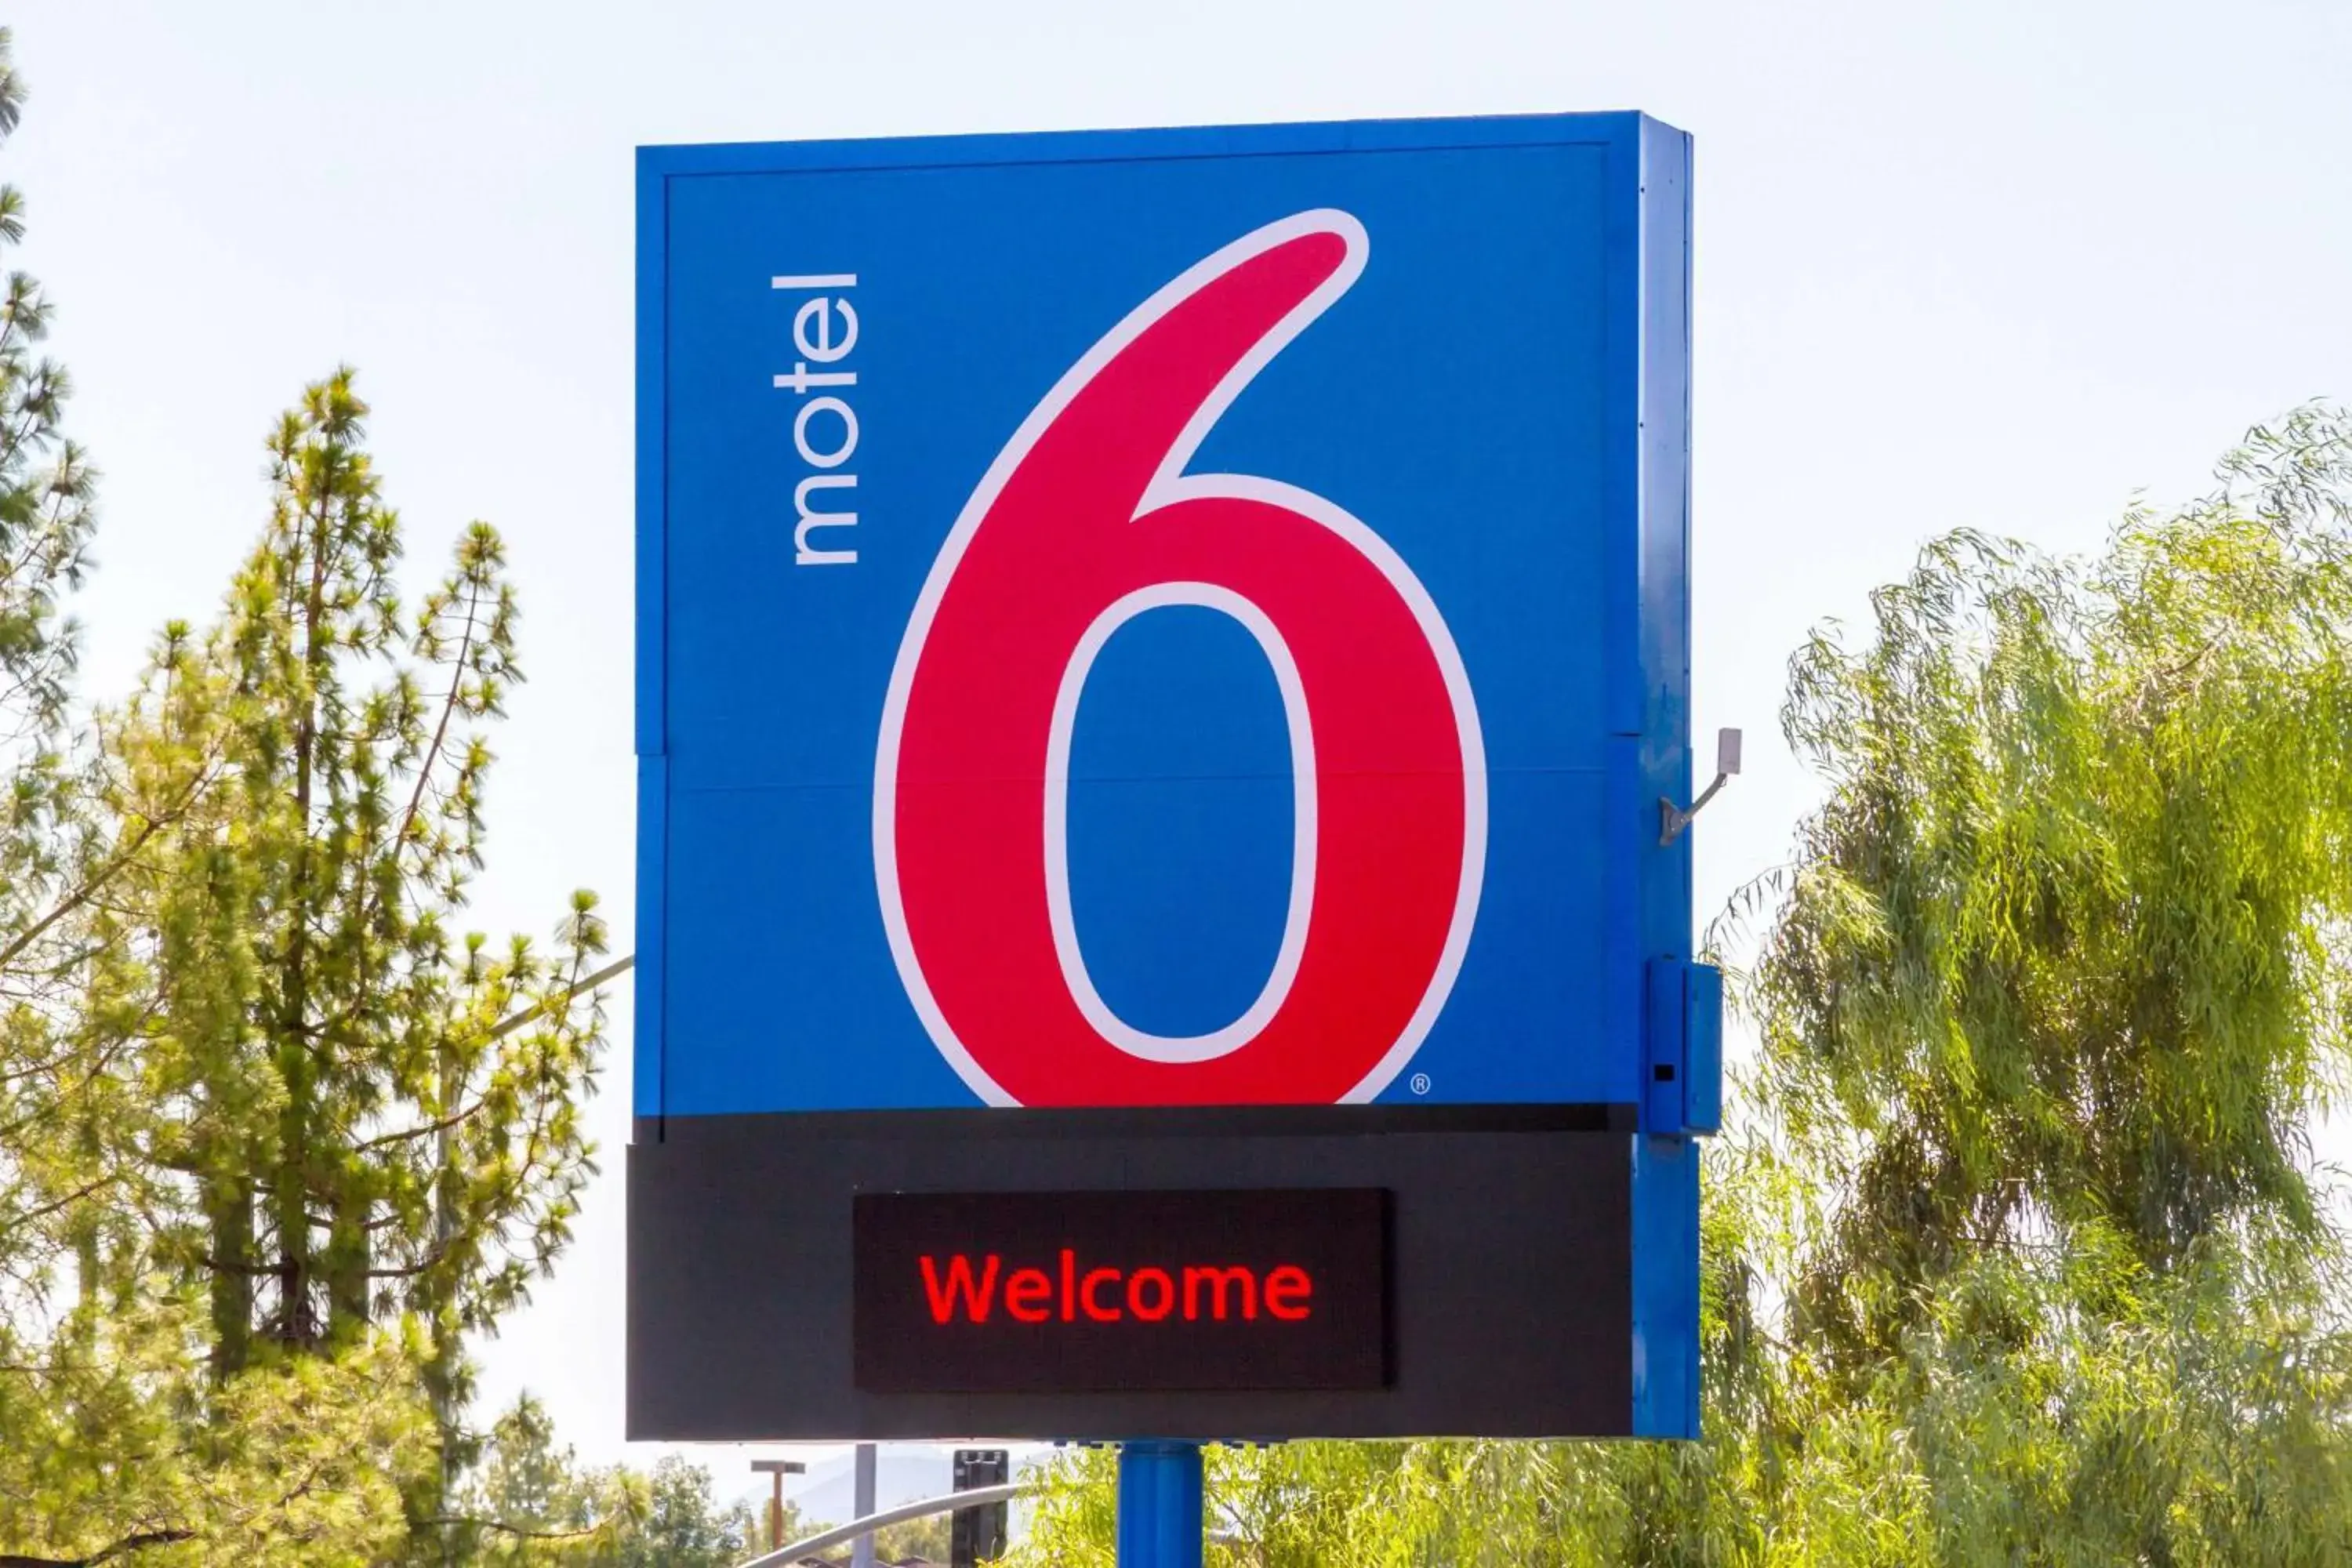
x: 903, y: 1472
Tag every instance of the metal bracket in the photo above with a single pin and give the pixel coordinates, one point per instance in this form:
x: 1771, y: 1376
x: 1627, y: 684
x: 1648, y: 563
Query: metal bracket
x: 1672, y: 819
x: 1683, y: 1048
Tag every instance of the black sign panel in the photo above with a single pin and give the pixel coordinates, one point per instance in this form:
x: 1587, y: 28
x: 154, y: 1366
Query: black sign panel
x: 1508, y: 1260
x: 1091, y: 1291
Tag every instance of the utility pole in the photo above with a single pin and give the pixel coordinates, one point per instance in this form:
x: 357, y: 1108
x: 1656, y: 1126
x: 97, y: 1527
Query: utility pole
x: 778, y: 1469
x: 977, y: 1534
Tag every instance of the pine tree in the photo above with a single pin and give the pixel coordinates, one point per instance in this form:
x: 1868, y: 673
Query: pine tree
x: 275, y: 1133
x: 46, y: 490
x: 378, y: 1113
x: 322, y: 1132
x: 47, y: 516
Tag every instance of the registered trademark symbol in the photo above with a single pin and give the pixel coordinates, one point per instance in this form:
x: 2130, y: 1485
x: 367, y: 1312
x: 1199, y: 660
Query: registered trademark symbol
x: 1420, y: 1083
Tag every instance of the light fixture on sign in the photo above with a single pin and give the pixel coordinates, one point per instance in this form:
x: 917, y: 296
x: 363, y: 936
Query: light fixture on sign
x: 1672, y: 819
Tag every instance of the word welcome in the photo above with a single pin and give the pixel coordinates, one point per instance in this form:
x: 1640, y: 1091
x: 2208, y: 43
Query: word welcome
x: 1071, y: 1292
x: 1103, y: 1295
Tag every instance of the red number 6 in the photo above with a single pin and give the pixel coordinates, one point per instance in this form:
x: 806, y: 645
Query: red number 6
x: 1085, y: 521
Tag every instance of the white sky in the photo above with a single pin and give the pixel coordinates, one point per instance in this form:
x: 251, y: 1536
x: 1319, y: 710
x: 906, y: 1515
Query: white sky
x: 1994, y: 264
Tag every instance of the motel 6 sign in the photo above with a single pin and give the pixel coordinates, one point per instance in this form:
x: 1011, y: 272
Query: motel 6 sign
x: 1159, y: 657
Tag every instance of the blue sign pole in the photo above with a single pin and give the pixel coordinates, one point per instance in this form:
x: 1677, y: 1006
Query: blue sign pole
x: 1159, y: 1505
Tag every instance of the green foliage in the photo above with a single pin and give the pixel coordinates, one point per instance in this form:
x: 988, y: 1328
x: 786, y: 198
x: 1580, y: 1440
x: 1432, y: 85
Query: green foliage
x: 300, y: 1465
x: 274, y: 1135
x: 45, y: 485
x: 47, y: 516
x: 2015, y: 1254
x: 932, y: 1538
x: 377, y: 1114
x: 531, y: 1503
x: 264, y: 1095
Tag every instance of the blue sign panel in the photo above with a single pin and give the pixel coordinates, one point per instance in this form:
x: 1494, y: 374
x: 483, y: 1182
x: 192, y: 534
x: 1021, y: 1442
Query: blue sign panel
x: 1177, y: 624
x: 1162, y: 617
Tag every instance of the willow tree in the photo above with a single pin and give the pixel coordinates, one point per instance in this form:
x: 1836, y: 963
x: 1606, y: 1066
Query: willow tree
x: 2016, y: 1253
x: 2058, y: 991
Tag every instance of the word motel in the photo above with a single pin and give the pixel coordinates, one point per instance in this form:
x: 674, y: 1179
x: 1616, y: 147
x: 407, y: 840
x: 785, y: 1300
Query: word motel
x: 825, y: 428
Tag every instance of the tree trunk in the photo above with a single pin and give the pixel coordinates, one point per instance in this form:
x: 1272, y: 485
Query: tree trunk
x: 297, y: 1322
x: 84, y: 1226
x: 347, y: 1272
x: 229, y: 1207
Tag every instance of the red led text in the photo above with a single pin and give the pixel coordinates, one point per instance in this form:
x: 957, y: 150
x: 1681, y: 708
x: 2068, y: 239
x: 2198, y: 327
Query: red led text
x: 958, y: 1290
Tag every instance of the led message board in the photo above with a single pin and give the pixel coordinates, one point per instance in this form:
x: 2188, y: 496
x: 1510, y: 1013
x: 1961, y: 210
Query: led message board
x: 1075, y: 1292
x: 1159, y: 657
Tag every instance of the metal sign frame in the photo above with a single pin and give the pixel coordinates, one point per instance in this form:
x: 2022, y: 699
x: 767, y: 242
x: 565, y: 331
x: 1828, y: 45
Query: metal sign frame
x: 1543, y: 1277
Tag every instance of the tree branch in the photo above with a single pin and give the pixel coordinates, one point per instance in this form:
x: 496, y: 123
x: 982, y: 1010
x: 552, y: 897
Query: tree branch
x: 517, y: 1531
x: 409, y: 1134
x: 129, y: 1543
x: 250, y: 1270
x: 107, y: 873
x: 30, y: 1216
x: 504, y: 1026
x: 508, y: 1025
x: 504, y: 1528
x: 440, y: 730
